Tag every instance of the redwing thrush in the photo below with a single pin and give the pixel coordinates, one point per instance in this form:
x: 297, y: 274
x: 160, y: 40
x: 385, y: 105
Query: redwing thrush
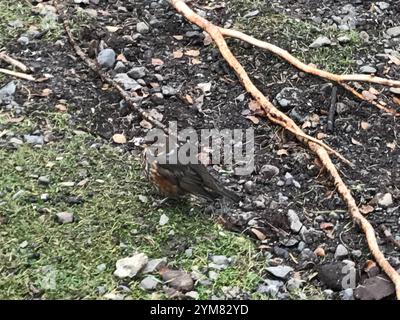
x: 174, y: 180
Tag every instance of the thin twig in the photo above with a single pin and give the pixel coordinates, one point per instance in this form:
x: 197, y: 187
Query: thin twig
x: 17, y: 74
x: 332, y: 110
x: 13, y: 62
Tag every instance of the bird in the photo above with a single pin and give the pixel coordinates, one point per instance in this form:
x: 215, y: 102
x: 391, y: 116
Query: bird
x: 174, y: 180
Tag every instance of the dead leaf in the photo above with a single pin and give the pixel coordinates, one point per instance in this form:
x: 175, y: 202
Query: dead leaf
x: 260, y: 236
x: 282, y: 152
x: 306, y: 124
x: 61, y: 107
x: 195, y: 61
x: 122, y: 58
x: 366, y: 209
x: 157, y: 62
x: 145, y: 124
x: 395, y: 60
x: 178, y: 37
x: 368, y: 95
x: 207, y: 39
x: 83, y: 182
x: 189, y: 99
x: 254, y: 105
x: 119, y: 138
x: 319, y: 252
x: 396, y: 100
x: 192, y: 53
x: 253, y: 119
x: 369, y: 264
x: 177, y: 54
x: 391, y: 145
x: 365, y: 125
x: 321, y: 135
x: 112, y: 29
x: 154, y: 85
x: 354, y: 141
x: 326, y: 225
x: 373, y: 91
x: 46, y: 92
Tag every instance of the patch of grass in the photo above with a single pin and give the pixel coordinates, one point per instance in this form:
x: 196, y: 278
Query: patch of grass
x: 40, y: 257
x: 296, y: 35
x: 11, y: 11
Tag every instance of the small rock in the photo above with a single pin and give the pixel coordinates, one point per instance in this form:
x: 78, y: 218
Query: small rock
x: 320, y: 42
x: 131, y: 266
x: 65, y: 217
x: 7, y: 92
x: 142, y: 28
x: 382, y: 5
x: 137, y: 72
x: 344, y: 39
x: 281, y: 272
x: 127, y: 82
x: 154, y: 265
x: 375, y: 288
x: 44, y: 180
x: 101, y: 267
x: 192, y: 294
x: 163, y: 220
x: 356, y: 253
x: 293, y: 284
x: 168, y: 91
x: 114, y: 296
x: 157, y: 98
x: 213, y: 275
x: 249, y: 186
x: 220, y: 260
x: 23, y: 40
x: 189, y: 252
x: 385, y: 200
x: 23, y: 244
x: 15, y: 141
x: 178, y: 280
x: 120, y: 67
x: 106, y: 58
x: 289, y: 97
x: 347, y: 294
x: 295, y: 223
x: 149, y: 283
x: 341, y: 108
x: 341, y: 251
x: 393, y: 32
x: 268, y: 171
x: 364, y: 36
x: 367, y: 69
x: 270, y: 287
x: 288, y: 179
x: 336, y: 276
x: 143, y: 198
x: 35, y: 140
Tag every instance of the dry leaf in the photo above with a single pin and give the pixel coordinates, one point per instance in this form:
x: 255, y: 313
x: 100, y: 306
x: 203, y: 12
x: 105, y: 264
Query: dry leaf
x: 354, y: 141
x: 154, y: 85
x: 260, y: 236
x: 122, y: 58
x: 177, y: 54
x: 83, y: 182
x: 369, y: 264
x: 112, y: 29
x: 195, y: 61
x: 391, y: 145
x: 189, y: 99
x: 119, y: 138
x: 369, y: 96
x: 253, y: 119
x: 396, y: 100
x: 365, y: 125
x: 157, y: 62
x: 145, y: 124
x: 319, y: 252
x: 395, y: 60
x: 192, y: 53
x: 282, y: 152
x: 366, y: 209
x: 61, y: 107
x: 326, y: 226
x: 254, y: 105
x: 207, y: 39
x: 178, y: 37
x: 321, y: 135
x: 373, y: 91
x: 46, y: 92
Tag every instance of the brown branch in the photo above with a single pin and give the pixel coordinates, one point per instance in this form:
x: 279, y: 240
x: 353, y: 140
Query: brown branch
x: 12, y: 61
x: 339, y: 78
x: 278, y: 117
x: 18, y: 74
